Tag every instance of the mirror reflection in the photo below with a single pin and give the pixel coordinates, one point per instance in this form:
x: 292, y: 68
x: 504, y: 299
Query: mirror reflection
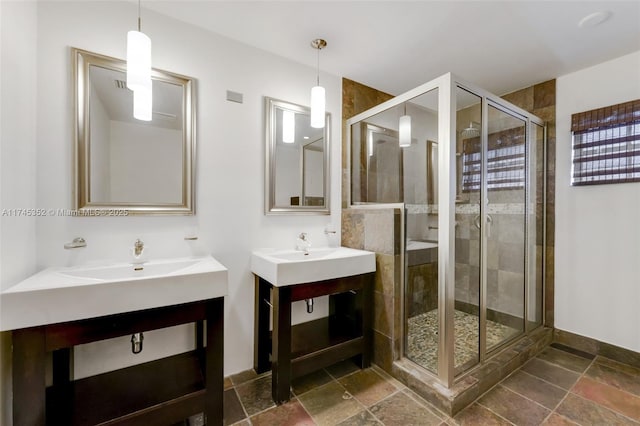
x: 297, y: 161
x: 123, y: 162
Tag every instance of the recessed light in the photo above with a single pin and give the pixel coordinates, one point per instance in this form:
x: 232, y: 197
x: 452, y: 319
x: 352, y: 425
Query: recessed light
x: 594, y: 19
x: 306, y: 137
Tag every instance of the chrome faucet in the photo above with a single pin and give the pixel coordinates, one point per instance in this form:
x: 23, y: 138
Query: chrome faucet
x: 303, y: 243
x: 138, y: 247
x: 76, y: 243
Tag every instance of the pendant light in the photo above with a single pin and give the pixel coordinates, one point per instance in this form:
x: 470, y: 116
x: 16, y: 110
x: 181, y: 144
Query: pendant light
x: 142, y: 103
x: 318, y: 100
x: 139, y: 71
x: 404, y: 129
x: 288, y: 126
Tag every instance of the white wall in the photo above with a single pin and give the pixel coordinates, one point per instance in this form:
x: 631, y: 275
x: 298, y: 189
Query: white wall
x: 597, y: 251
x: 230, y: 159
x: 17, y: 162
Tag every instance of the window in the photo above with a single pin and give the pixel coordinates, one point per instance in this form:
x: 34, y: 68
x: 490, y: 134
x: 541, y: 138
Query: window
x: 606, y: 145
x: 505, y: 161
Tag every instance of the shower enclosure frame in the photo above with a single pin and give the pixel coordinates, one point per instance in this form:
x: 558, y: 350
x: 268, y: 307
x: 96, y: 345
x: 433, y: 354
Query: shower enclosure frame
x: 447, y: 85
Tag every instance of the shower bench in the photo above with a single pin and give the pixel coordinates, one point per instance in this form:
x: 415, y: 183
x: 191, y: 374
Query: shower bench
x: 294, y: 351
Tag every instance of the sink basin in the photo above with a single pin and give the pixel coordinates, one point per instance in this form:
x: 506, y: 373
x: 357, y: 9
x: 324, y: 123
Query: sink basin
x: 130, y: 271
x: 421, y: 252
x: 68, y: 294
x: 421, y: 245
x: 288, y: 267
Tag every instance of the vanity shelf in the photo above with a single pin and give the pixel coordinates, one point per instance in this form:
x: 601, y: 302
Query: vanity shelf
x: 294, y: 351
x: 170, y: 389
x: 161, y: 392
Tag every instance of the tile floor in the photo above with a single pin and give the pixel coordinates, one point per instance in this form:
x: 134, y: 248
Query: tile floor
x: 561, y: 386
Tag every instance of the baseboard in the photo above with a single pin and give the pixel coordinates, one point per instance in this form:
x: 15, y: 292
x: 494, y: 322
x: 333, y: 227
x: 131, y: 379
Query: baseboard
x: 596, y: 347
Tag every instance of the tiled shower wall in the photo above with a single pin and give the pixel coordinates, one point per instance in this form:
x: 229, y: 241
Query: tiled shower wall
x: 356, y: 98
x: 379, y: 230
x: 376, y: 230
x: 505, y: 261
x: 540, y: 100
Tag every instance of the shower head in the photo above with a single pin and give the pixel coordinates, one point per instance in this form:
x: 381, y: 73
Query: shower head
x: 471, y: 132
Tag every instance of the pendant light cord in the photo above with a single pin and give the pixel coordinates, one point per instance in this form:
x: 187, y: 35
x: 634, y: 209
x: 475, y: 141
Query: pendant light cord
x: 318, y: 69
x: 139, y: 20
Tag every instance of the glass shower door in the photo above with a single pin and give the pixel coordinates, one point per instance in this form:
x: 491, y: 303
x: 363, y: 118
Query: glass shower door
x: 505, y: 224
x: 491, y: 229
x: 469, y: 177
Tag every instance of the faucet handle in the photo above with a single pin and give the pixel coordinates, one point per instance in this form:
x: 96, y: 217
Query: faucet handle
x: 138, y: 247
x: 76, y: 243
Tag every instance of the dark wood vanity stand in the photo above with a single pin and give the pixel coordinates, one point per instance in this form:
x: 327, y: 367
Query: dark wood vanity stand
x: 161, y: 392
x: 293, y: 351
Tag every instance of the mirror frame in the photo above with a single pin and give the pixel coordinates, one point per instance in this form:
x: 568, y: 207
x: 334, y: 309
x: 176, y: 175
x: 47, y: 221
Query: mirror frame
x: 270, y: 208
x: 82, y: 60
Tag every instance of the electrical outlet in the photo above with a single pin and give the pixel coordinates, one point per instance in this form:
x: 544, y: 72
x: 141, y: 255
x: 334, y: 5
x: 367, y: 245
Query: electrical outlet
x: 197, y: 420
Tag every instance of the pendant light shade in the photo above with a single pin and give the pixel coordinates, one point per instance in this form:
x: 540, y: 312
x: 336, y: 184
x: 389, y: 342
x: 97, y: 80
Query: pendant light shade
x: 288, y: 127
x: 143, y: 103
x: 318, y: 102
x: 139, y: 72
x: 405, y: 131
x: 138, y: 60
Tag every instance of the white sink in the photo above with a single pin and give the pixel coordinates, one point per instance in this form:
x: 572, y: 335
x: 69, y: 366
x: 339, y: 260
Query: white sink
x: 67, y: 294
x: 287, y: 267
x: 130, y: 271
x: 421, y: 245
x: 421, y: 252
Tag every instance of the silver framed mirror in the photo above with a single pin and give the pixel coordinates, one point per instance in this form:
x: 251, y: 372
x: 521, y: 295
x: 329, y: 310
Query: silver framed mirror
x: 143, y: 167
x: 297, y: 177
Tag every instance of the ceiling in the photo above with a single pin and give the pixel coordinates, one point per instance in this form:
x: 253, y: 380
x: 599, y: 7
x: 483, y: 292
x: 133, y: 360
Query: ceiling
x: 117, y: 100
x: 394, y: 46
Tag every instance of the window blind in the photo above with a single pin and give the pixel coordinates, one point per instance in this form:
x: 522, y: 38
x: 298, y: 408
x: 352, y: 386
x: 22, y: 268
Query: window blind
x: 606, y: 145
x: 505, y: 161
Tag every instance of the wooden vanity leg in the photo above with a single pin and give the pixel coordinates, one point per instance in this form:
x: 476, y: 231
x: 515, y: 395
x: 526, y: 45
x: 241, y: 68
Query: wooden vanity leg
x: 60, y: 405
x: 29, y: 386
x: 200, y: 348
x: 281, y: 345
x: 61, y: 366
x: 261, y: 344
x: 214, y: 372
x: 367, y: 321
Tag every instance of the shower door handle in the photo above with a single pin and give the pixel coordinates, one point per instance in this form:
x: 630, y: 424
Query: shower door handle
x: 476, y: 221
